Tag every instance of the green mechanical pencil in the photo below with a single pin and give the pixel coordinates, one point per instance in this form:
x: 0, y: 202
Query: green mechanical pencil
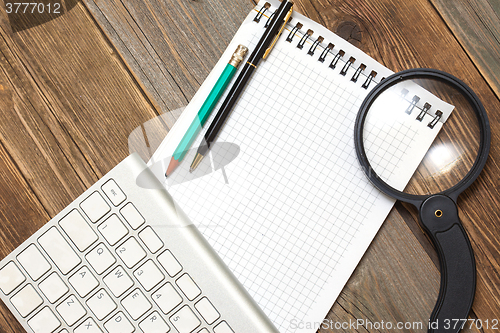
x: 207, y: 108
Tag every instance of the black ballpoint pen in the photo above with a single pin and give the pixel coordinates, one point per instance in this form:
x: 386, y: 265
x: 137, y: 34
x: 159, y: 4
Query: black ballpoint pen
x: 264, y: 46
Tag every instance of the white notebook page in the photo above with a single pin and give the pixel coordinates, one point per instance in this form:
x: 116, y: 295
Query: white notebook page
x: 292, y: 213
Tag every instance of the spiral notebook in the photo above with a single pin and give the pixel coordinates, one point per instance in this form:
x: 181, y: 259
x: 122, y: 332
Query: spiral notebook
x: 282, y: 198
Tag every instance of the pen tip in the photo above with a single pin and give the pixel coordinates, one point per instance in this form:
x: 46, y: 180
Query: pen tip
x: 196, y: 162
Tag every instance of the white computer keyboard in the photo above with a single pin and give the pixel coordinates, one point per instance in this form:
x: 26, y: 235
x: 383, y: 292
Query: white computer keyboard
x: 124, y: 258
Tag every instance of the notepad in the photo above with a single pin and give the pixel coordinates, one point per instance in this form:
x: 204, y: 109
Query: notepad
x: 281, y: 197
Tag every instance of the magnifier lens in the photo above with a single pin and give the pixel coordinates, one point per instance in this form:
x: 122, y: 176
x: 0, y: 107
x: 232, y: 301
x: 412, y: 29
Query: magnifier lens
x: 422, y: 124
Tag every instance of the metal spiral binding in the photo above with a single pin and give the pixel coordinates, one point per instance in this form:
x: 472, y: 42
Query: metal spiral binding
x: 325, y: 52
x: 292, y: 33
x: 313, y: 47
x: 434, y: 121
x: 412, y: 105
x: 304, y: 38
x: 424, y: 111
x: 347, y: 65
x: 269, y: 20
x: 358, y: 71
x: 261, y: 12
x: 336, y: 59
x: 369, y: 79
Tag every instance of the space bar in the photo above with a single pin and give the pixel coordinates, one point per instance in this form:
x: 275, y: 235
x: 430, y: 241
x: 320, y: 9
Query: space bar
x: 59, y: 250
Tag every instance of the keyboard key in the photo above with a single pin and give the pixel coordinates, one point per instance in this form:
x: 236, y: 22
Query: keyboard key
x: 223, y: 327
x: 88, y: 326
x: 10, y: 278
x: 119, y: 324
x: 154, y: 324
x: 83, y: 281
x: 113, y: 192
x: 207, y: 310
x: 132, y: 216
x: 184, y: 320
x: 167, y: 298
x: 100, y: 258
x: 26, y: 300
x: 136, y: 304
x: 59, y: 250
x: 53, y: 287
x: 113, y: 229
x: 101, y: 304
x: 188, y: 287
x: 78, y: 230
x: 168, y: 261
x: 71, y: 310
x: 95, y: 207
x: 149, y: 275
x: 204, y: 331
x: 118, y: 281
x: 33, y: 262
x: 152, y: 241
x: 131, y: 252
x: 44, y: 321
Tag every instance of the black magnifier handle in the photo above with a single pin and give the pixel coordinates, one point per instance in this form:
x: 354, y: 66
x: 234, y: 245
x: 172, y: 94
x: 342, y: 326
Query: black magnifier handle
x: 439, y: 217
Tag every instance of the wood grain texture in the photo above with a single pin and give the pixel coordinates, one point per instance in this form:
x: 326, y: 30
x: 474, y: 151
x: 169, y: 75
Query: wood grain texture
x: 170, y: 46
x: 26, y: 211
x: 476, y: 25
x: 68, y: 105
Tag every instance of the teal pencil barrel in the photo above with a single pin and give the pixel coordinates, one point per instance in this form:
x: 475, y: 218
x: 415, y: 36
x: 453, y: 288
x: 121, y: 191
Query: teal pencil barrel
x: 205, y: 111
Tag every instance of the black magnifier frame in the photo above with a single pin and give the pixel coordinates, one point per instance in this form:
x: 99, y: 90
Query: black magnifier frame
x: 438, y: 213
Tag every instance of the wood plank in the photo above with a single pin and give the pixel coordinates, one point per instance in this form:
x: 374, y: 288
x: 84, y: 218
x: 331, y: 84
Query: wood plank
x: 169, y: 46
x: 476, y: 25
x: 68, y: 105
x: 75, y: 105
x: 21, y: 208
x: 28, y: 136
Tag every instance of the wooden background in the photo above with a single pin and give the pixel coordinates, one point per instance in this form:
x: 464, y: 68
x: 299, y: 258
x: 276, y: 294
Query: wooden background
x: 73, y: 87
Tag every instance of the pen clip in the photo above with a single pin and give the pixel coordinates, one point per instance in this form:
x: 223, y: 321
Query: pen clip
x: 287, y: 17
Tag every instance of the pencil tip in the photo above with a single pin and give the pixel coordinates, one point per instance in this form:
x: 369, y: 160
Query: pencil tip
x: 171, y: 167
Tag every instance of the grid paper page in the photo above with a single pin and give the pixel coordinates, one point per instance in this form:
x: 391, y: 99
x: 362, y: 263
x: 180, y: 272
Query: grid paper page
x: 292, y: 213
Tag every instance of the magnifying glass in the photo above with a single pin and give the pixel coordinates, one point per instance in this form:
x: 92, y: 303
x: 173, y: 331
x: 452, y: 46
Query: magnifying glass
x: 430, y: 121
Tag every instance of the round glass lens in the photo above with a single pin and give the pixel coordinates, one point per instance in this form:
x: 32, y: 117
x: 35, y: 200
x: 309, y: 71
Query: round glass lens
x: 421, y: 136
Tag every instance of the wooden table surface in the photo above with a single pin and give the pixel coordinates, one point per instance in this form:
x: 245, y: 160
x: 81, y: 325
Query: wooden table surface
x: 74, y: 87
